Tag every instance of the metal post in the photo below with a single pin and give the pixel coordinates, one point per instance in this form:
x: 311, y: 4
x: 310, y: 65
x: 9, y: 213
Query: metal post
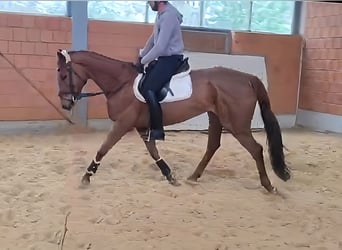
x: 250, y: 16
x: 78, y: 10
x: 201, y: 13
x: 296, y: 20
x: 146, y: 12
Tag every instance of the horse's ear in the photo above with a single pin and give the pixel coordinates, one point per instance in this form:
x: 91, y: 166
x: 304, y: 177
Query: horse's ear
x: 61, y: 57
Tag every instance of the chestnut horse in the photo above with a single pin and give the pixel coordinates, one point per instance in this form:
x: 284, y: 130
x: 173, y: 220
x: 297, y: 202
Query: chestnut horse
x: 228, y: 96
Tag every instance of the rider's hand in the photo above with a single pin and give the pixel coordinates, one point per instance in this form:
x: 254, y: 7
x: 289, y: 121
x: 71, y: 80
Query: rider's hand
x: 139, y: 66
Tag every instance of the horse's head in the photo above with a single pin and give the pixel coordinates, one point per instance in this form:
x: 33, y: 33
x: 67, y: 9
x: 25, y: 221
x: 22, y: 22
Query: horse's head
x: 71, y: 78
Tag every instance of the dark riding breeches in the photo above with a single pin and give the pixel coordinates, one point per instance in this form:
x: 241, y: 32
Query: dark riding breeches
x: 161, y: 73
x: 155, y: 79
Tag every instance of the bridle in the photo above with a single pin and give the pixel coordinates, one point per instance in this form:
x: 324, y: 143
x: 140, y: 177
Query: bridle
x: 71, y: 71
x: 74, y: 96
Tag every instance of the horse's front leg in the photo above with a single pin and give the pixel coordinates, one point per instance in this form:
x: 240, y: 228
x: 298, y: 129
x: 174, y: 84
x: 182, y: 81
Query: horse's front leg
x: 118, y: 130
x: 164, y: 168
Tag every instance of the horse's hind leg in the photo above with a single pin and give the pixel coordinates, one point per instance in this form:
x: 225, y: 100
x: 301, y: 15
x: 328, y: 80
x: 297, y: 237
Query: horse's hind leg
x: 164, y: 168
x: 214, y: 142
x: 255, y: 149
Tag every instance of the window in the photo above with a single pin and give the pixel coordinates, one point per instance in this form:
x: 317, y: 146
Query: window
x: 189, y: 9
x: 35, y: 7
x: 272, y: 16
x: 233, y: 15
x: 130, y: 11
x: 263, y: 16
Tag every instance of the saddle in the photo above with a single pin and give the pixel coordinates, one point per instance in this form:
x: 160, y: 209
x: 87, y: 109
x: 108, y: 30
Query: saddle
x: 183, y: 67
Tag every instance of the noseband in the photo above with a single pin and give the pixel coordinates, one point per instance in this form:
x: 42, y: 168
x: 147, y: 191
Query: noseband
x: 74, y: 97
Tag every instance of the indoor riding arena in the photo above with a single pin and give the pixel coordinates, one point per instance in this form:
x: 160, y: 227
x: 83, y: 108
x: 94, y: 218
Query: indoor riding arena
x: 293, y: 47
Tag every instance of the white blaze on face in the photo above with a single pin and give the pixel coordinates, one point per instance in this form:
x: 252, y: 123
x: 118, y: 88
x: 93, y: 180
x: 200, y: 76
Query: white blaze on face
x: 66, y: 55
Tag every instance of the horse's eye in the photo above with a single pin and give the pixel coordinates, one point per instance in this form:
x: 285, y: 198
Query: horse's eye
x: 58, y: 69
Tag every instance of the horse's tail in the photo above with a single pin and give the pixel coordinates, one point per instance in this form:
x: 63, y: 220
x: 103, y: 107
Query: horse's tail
x: 273, y: 132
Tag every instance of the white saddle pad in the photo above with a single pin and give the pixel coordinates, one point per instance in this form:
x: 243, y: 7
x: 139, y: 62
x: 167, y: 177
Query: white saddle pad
x: 180, y: 85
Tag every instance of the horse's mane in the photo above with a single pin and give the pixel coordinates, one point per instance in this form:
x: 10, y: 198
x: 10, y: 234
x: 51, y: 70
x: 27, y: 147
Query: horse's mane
x: 99, y: 56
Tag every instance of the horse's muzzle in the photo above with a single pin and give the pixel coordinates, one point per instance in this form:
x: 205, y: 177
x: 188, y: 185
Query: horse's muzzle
x: 67, y: 107
x: 67, y: 102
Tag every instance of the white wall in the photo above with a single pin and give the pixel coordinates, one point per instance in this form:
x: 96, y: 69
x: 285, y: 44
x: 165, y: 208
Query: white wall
x: 249, y: 64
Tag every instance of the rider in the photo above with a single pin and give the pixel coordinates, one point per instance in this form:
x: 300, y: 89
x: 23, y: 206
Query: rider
x: 165, y: 47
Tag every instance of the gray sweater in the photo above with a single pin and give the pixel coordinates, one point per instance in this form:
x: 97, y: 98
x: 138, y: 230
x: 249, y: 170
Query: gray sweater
x: 166, y: 38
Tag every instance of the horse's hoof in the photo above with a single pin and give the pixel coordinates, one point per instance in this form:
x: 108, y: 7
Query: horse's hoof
x: 192, y: 178
x: 173, y: 181
x: 192, y: 182
x: 86, y: 179
x: 273, y: 190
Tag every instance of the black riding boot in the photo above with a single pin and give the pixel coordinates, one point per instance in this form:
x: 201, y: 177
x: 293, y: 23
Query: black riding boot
x: 156, y: 131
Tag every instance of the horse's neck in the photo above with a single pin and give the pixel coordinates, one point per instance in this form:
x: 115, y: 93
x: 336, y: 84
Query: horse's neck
x: 108, y: 74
